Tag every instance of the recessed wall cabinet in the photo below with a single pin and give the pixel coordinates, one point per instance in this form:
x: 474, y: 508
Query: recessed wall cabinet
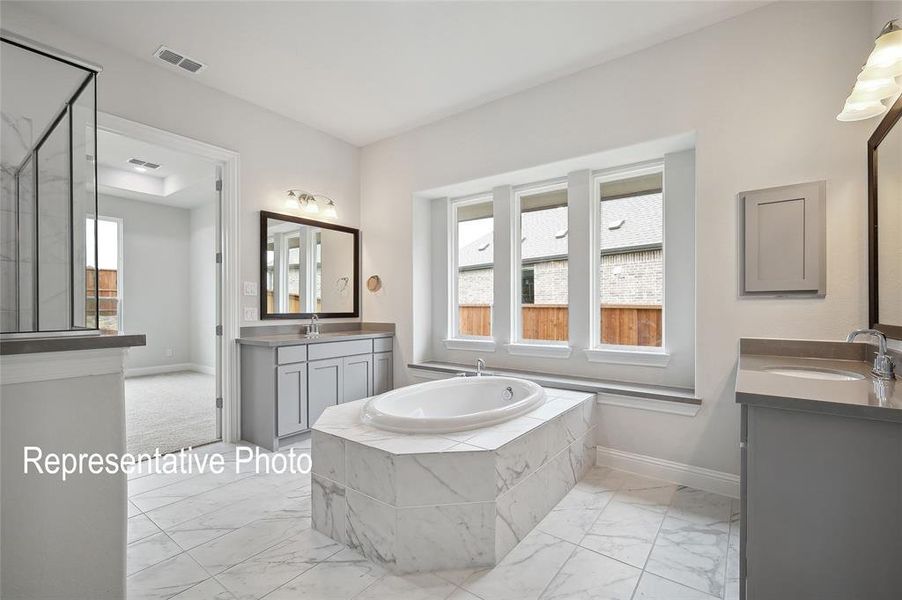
x: 285, y: 389
x: 783, y: 241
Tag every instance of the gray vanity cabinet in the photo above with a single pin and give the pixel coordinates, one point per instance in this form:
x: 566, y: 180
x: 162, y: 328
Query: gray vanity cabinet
x: 286, y: 388
x: 382, y: 372
x: 291, y: 387
x: 325, y: 383
x: 358, y: 377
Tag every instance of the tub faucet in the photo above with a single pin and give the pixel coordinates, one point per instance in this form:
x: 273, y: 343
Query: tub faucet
x: 883, y: 362
x: 480, y: 366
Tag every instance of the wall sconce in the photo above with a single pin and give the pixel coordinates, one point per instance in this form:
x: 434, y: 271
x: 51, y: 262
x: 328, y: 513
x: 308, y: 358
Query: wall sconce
x: 310, y: 203
x: 877, y: 80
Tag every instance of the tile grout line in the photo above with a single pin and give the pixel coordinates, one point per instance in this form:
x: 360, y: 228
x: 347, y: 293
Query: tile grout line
x: 224, y: 485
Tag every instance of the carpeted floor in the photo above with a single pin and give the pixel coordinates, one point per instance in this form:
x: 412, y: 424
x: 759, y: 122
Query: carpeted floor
x: 169, y: 411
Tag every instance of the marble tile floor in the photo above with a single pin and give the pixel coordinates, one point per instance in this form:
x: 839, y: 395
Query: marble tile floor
x: 615, y: 536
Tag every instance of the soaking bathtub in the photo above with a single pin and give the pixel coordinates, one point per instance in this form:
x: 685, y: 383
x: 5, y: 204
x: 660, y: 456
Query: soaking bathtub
x: 450, y: 405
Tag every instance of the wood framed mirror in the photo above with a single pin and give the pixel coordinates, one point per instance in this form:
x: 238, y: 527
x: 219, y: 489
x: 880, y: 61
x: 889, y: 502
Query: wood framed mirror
x: 308, y: 268
x: 885, y: 224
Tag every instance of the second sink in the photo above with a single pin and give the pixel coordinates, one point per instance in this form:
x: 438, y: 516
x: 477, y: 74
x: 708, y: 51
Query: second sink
x: 815, y: 373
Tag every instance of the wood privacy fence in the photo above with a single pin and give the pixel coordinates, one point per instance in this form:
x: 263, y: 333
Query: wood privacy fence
x: 294, y: 303
x: 620, y: 324
x: 108, y: 292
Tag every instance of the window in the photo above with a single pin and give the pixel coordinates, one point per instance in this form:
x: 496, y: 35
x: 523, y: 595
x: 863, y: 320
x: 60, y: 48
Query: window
x: 473, y: 234
x: 109, y: 274
x: 528, y: 286
x: 543, y: 309
x: 631, y: 258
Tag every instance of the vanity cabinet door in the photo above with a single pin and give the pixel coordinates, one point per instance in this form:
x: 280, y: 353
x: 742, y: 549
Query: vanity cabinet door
x: 292, y: 398
x: 326, y: 384
x: 382, y: 372
x: 358, y: 377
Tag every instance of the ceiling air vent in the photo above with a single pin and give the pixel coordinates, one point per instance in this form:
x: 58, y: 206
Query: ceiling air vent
x: 143, y: 163
x: 177, y: 59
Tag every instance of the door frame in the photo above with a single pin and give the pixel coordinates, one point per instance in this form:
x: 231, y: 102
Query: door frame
x: 230, y: 239
x: 120, y: 266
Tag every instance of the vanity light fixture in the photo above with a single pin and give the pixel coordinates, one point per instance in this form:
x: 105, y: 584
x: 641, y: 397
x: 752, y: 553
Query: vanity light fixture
x: 329, y: 211
x: 309, y: 203
x: 877, y: 80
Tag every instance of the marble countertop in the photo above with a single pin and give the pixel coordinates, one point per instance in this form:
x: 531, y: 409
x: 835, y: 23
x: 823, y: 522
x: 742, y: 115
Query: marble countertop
x: 294, y: 339
x: 344, y: 421
x: 867, y: 398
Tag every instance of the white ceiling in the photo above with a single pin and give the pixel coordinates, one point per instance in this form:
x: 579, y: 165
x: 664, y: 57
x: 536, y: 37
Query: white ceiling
x: 366, y: 71
x: 183, y: 180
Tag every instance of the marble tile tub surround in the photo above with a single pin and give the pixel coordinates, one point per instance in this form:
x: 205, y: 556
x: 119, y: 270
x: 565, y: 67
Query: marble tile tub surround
x: 865, y: 398
x: 474, y: 494
x: 240, y: 540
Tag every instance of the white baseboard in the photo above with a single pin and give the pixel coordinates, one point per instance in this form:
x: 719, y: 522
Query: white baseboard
x: 718, y: 482
x: 157, y: 370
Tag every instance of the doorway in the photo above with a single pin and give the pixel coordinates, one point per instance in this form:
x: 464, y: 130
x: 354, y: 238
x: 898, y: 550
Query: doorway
x: 157, y: 273
x: 172, y: 203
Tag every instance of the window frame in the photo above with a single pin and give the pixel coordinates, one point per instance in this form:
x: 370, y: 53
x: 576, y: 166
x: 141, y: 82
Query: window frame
x: 518, y: 344
x: 455, y: 340
x: 620, y: 353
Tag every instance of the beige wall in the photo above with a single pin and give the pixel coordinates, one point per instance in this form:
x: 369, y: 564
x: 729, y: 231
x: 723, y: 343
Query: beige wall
x: 761, y: 93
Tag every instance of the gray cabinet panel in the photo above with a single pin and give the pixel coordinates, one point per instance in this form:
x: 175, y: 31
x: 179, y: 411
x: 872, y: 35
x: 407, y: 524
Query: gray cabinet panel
x: 784, y: 234
x: 325, y: 385
x: 382, y: 344
x: 382, y: 372
x: 821, y: 510
x: 291, y: 354
x: 358, y: 377
x: 337, y: 349
x: 291, y: 399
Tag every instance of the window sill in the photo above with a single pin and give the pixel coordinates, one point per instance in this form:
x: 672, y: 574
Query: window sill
x: 540, y: 350
x: 679, y: 401
x: 619, y: 355
x: 469, y: 344
x: 685, y: 409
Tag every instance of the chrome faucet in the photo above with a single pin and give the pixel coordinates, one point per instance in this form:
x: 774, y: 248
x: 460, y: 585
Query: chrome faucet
x: 480, y: 367
x: 884, y: 368
x: 313, y: 327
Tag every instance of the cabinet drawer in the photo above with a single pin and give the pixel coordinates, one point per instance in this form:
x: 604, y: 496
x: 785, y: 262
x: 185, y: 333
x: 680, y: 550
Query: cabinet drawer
x: 337, y: 349
x: 382, y: 344
x: 291, y: 354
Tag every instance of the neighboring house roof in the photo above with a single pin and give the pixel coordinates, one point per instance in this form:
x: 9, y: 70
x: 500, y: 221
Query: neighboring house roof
x: 626, y: 223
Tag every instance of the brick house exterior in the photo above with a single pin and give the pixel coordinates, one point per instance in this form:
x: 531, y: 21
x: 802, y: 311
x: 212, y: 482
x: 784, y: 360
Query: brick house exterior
x: 632, y: 266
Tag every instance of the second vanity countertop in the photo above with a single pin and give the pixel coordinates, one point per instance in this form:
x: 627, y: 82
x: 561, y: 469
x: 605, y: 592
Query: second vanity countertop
x: 290, y: 335
x: 867, y: 398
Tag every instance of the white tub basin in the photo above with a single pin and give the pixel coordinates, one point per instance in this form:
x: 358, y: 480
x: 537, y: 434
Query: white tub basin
x: 454, y: 404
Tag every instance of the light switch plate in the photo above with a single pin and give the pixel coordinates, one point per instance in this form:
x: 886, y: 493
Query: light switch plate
x: 250, y: 313
x: 250, y: 288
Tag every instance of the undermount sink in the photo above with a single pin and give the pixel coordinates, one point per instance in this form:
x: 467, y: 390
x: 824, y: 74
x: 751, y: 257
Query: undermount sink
x: 815, y: 373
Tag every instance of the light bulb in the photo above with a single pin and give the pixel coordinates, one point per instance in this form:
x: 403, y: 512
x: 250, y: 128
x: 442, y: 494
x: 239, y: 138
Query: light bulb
x: 311, y: 206
x: 291, y: 201
x: 329, y: 211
